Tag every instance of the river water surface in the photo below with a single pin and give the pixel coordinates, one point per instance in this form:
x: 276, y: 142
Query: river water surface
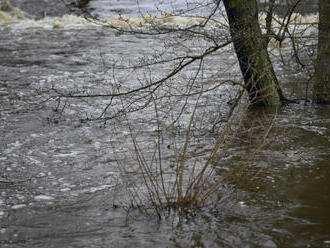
x: 60, y: 183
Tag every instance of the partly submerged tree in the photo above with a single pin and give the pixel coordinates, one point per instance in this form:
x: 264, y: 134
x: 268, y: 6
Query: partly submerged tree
x: 188, y: 66
x: 322, y: 71
x: 256, y: 66
x: 186, y: 51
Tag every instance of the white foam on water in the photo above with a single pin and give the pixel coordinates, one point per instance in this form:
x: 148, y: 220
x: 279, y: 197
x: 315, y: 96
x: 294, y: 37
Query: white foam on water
x: 18, y: 20
x: 18, y: 206
x: 43, y: 198
x: 95, y: 189
x: 295, y: 18
x: 65, y: 189
x: 62, y: 155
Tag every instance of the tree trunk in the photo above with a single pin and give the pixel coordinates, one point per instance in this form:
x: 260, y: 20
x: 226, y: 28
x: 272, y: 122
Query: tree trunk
x: 250, y: 46
x: 321, y: 92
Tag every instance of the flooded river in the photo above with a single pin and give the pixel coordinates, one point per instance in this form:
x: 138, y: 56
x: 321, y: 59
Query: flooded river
x: 60, y: 179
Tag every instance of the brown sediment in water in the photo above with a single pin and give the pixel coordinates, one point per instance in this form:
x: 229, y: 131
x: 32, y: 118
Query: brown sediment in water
x: 9, y: 13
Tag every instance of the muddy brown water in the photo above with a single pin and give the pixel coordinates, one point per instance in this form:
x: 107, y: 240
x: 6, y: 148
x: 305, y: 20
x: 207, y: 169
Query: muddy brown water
x: 60, y: 183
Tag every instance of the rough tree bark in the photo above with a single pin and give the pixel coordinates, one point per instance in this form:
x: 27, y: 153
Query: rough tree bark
x: 321, y: 92
x: 255, y: 64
